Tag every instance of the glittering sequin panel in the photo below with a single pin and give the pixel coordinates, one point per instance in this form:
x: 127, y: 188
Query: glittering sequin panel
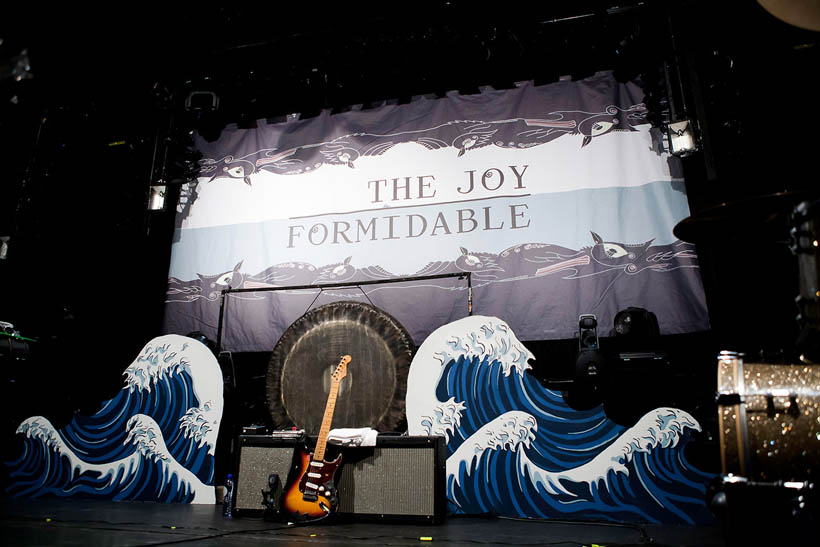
x: 782, y: 419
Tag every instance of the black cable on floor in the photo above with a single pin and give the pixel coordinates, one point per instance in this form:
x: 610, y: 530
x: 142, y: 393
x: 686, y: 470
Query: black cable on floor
x: 213, y: 536
x: 645, y: 538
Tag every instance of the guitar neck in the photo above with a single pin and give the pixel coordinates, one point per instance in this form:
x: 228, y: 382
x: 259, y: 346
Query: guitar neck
x: 321, y: 443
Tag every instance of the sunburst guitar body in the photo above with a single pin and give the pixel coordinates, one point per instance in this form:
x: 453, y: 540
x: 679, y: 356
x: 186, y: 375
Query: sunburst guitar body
x: 310, y: 494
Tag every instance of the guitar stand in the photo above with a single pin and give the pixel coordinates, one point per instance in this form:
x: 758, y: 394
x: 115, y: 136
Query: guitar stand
x: 270, y: 498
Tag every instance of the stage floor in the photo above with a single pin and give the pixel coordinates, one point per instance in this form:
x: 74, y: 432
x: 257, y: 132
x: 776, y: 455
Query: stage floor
x: 90, y: 523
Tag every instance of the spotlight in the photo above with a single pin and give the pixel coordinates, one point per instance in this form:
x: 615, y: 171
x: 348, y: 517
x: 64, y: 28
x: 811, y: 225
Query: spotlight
x: 156, y: 197
x: 202, y: 107
x: 588, y: 332
x: 636, y: 342
x: 589, y: 363
x: 636, y: 324
x: 202, y: 101
x: 681, y: 138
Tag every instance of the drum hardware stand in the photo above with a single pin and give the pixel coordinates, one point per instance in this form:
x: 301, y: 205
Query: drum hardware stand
x: 355, y: 284
x: 804, y: 245
x: 791, y: 409
x: 761, y: 512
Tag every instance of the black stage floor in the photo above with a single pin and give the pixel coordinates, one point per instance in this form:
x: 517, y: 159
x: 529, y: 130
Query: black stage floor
x: 89, y: 523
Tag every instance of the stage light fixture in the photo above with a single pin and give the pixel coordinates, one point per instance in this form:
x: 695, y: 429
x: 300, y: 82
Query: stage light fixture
x: 636, y: 324
x: 156, y: 197
x: 587, y: 332
x: 589, y: 365
x: 681, y: 138
x: 202, y: 101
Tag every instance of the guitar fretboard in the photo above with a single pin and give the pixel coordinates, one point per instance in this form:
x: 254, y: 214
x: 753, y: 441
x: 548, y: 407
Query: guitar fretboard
x: 321, y: 443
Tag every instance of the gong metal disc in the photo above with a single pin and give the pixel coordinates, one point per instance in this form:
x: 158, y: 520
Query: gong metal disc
x: 372, y: 394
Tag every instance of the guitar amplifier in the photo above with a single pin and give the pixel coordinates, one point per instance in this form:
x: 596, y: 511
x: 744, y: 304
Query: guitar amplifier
x: 402, y: 478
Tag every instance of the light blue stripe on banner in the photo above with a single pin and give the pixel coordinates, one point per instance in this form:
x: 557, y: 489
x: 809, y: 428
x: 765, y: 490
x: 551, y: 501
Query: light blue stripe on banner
x: 629, y: 215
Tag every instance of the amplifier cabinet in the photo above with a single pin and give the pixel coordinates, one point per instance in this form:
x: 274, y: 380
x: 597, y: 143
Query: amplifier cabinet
x: 402, y: 478
x: 259, y: 457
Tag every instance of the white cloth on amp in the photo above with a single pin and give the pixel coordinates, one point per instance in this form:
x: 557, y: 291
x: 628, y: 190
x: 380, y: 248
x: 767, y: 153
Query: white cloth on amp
x: 347, y: 436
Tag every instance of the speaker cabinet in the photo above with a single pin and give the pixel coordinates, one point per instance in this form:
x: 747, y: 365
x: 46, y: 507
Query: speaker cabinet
x: 400, y: 479
x: 259, y: 457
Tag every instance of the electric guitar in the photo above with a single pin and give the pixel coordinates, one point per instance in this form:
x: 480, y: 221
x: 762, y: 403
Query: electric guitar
x: 310, y: 493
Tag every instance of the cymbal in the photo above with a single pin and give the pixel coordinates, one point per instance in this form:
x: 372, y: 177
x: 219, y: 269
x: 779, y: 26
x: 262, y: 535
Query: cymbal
x: 765, y: 217
x: 800, y: 13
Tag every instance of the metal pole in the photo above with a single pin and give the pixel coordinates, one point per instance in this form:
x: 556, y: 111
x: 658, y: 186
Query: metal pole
x: 219, y: 325
x: 355, y: 284
x: 470, y: 293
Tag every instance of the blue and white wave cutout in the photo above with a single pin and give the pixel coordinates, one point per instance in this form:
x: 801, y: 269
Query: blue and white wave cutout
x: 517, y: 449
x: 154, y: 441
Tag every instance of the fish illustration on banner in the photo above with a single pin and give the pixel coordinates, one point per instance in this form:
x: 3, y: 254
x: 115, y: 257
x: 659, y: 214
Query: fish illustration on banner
x: 588, y: 277
x: 154, y: 441
x: 461, y: 135
x: 517, y: 449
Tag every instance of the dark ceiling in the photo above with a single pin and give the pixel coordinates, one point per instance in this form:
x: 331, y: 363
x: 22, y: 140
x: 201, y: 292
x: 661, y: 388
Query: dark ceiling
x: 276, y: 59
x: 78, y: 130
x: 280, y: 58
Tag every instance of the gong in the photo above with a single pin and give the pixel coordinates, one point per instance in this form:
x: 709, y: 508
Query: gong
x: 372, y: 394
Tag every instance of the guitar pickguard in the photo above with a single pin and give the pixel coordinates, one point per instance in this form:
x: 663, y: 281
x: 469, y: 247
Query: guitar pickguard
x: 311, y: 493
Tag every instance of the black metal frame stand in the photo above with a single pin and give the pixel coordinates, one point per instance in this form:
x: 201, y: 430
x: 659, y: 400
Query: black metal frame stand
x: 358, y: 284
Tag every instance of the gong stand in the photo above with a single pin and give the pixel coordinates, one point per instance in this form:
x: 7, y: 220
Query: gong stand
x: 373, y: 394
x: 322, y: 287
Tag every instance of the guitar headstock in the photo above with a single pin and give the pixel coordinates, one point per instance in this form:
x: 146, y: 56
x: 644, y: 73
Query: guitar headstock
x: 341, y: 368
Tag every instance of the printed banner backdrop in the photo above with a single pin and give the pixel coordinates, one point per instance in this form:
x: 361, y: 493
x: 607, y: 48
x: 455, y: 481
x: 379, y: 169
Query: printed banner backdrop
x: 557, y: 198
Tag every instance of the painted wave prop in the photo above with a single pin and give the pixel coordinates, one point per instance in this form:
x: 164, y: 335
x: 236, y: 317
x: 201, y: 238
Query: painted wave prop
x: 154, y: 441
x: 517, y: 449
